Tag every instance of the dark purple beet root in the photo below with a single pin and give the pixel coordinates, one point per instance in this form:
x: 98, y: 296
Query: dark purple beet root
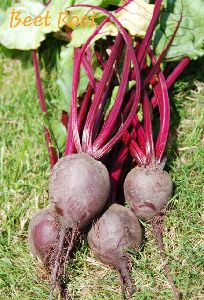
x: 147, y: 191
x: 43, y: 234
x: 47, y: 238
x: 79, y: 188
x: 110, y: 237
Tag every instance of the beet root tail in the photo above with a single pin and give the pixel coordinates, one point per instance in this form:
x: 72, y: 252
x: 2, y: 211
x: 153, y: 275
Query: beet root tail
x: 127, y: 286
x: 157, y: 230
x: 72, y: 237
x: 55, y: 270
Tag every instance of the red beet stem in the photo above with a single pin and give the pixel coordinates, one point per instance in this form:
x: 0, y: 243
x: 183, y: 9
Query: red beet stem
x: 98, y: 97
x: 89, y: 71
x: 106, y: 148
x: 150, y: 152
x: 69, y: 148
x: 75, y: 84
x: 161, y: 93
x: 173, y: 76
x: 113, y: 115
x: 177, y: 71
x: 134, y: 149
x: 156, y: 66
x: 143, y: 48
x: 100, y: 59
x: 84, y: 107
x: 116, y: 172
x: 137, y: 131
x: 51, y: 150
x: 140, y: 133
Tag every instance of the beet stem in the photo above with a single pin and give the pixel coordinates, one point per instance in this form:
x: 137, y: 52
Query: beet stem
x: 89, y: 71
x: 156, y: 66
x: 143, y: 48
x: 109, y: 124
x: 108, y: 146
x: 173, y: 76
x: 84, y: 107
x: 116, y: 171
x: 150, y: 152
x: 69, y: 147
x: 98, y: 97
x: 157, y: 230
x: 51, y: 150
x: 177, y: 71
x: 138, y: 131
x: 135, y: 150
x: 161, y: 91
x: 75, y: 83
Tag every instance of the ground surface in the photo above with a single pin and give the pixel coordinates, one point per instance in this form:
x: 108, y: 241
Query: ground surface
x: 24, y: 173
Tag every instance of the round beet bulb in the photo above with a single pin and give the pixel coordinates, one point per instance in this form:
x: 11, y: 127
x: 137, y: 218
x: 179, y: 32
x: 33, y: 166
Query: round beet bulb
x: 43, y: 234
x: 110, y: 238
x: 79, y: 188
x: 147, y: 191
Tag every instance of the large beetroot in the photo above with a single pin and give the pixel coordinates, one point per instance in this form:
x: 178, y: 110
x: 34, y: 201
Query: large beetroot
x: 110, y: 238
x: 78, y: 190
x: 79, y: 187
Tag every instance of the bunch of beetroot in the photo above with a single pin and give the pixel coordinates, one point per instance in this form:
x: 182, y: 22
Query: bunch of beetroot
x: 106, y: 153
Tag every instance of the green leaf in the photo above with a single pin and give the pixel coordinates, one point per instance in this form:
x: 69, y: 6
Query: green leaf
x: 56, y: 10
x: 135, y: 17
x: 65, y: 74
x: 98, y: 73
x: 22, y: 37
x: 111, y: 101
x: 80, y: 36
x: 83, y: 11
x: 189, y: 38
x: 60, y: 135
x: 30, y: 37
x: 2, y: 15
x: 106, y: 3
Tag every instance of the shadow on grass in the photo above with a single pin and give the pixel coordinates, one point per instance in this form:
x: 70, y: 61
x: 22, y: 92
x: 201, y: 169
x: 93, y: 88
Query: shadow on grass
x: 183, y: 85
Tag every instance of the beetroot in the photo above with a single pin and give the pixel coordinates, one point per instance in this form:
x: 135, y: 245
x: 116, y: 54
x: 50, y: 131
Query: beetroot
x: 78, y: 190
x: 117, y: 230
x: 148, y: 190
x: 43, y: 235
x: 79, y: 187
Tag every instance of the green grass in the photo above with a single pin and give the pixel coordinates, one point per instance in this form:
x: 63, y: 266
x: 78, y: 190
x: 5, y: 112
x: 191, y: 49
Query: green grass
x: 24, y: 173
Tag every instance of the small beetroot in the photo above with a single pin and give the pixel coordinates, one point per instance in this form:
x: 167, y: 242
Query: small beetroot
x: 110, y: 237
x: 147, y: 191
x: 43, y: 235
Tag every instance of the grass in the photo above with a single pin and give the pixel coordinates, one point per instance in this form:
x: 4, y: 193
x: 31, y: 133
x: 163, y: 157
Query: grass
x: 24, y: 173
